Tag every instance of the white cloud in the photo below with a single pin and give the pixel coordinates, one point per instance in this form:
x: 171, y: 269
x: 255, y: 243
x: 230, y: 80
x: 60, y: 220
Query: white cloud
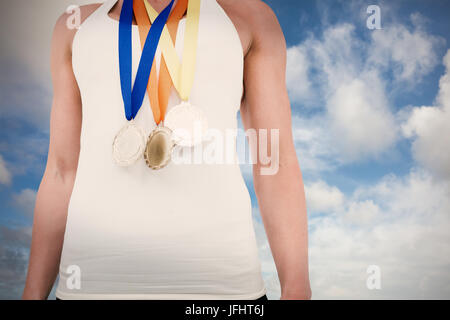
x: 336, y: 56
x: 313, y: 142
x: 24, y: 98
x: 360, y: 118
x: 5, y: 174
x: 362, y: 212
x: 430, y: 130
x: 401, y: 225
x: 297, y: 80
x: 356, y: 104
x: 323, y: 198
x: 351, y: 81
x: 411, y: 53
x: 398, y: 224
x: 25, y: 201
x: 357, y: 112
x: 28, y: 151
x: 14, y: 244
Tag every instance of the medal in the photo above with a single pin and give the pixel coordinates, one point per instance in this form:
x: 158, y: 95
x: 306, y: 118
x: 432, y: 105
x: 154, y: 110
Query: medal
x: 185, y: 117
x: 159, y: 148
x: 188, y: 124
x: 163, y: 138
x: 129, y: 143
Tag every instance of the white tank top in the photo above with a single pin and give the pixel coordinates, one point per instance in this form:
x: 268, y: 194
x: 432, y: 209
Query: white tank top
x: 183, y: 232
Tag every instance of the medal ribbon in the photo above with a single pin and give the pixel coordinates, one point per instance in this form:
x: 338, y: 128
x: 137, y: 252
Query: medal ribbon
x: 133, y: 97
x: 159, y: 93
x: 182, y: 74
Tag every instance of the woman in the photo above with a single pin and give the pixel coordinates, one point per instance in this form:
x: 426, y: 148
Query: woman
x: 185, y: 231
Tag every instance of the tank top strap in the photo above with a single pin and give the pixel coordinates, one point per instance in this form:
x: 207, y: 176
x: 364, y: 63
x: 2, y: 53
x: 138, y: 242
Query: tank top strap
x: 99, y: 15
x: 106, y: 7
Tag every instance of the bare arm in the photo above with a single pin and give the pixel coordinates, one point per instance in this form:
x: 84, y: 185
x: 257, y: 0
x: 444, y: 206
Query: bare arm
x: 56, y: 186
x: 280, y: 196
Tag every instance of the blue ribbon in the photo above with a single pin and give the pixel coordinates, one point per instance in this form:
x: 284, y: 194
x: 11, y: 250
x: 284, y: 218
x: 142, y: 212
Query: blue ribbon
x: 133, y: 97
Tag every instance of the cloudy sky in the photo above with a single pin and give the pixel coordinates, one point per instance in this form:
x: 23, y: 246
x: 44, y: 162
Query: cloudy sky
x: 371, y: 114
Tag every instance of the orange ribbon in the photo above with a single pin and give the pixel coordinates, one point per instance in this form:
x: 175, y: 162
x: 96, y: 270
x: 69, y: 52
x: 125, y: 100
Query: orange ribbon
x: 159, y: 92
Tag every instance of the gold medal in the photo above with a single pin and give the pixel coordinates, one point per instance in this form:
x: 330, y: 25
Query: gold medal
x: 158, y: 151
x: 188, y: 124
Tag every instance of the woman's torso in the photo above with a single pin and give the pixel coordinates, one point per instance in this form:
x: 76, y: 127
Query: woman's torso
x: 183, y: 232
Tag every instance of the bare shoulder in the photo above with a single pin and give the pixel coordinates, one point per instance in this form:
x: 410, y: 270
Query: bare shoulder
x: 252, y: 10
x: 258, y: 11
x: 257, y: 20
x: 265, y: 25
x: 64, y: 32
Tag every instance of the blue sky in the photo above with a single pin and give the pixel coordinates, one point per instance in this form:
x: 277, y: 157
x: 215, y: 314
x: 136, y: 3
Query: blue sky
x: 370, y: 116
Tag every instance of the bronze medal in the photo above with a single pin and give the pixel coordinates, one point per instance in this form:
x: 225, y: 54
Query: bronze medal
x: 158, y: 151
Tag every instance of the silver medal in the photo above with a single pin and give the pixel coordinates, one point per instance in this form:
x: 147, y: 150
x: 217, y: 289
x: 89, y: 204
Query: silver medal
x: 129, y: 144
